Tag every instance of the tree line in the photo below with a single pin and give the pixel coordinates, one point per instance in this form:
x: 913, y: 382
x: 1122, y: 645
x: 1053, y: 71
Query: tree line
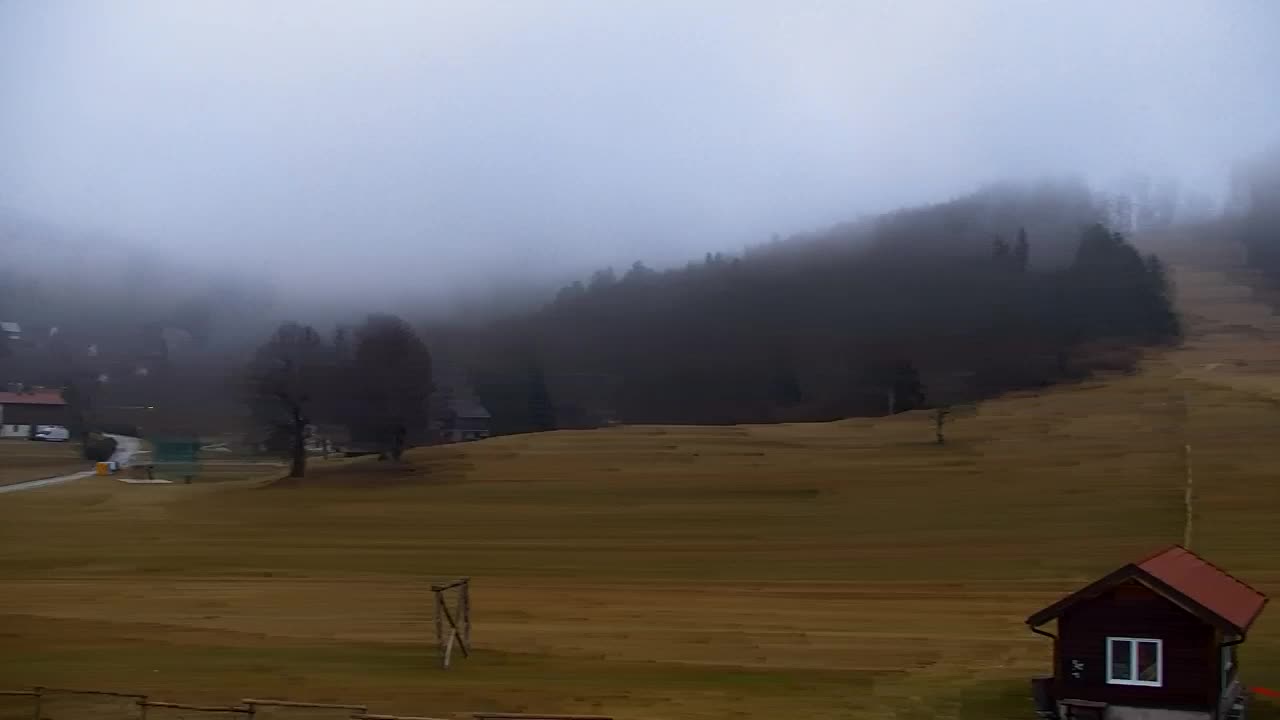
x: 931, y: 306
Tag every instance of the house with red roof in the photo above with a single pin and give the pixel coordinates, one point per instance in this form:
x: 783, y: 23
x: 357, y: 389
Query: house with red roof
x: 1153, y: 640
x: 23, y: 411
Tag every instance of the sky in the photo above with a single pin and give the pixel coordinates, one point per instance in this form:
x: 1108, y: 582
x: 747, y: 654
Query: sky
x: 371, y: 145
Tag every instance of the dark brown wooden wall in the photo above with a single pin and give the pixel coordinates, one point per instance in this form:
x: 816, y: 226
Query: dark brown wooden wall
x: 34, y: 414
x: 1133, y: 610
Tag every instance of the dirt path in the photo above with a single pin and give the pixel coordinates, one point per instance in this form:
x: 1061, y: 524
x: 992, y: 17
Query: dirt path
x: 126, y: 447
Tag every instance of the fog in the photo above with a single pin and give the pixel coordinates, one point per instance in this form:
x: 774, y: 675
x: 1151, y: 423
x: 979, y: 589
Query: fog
x: 391, y: 147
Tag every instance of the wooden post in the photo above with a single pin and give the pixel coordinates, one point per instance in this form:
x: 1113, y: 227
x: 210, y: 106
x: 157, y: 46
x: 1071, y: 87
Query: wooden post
x: 39, y: 697
x: 444, y: 660
x: 466, y: 612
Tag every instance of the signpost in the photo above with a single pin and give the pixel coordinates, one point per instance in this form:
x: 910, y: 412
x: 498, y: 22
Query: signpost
x: 179, y: 455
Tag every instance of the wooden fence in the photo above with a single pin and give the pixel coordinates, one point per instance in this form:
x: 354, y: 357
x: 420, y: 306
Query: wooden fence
x: 248, y: 708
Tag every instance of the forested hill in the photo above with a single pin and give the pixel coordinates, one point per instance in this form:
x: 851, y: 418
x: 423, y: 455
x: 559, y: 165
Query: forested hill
x: 1011, y: 287
x: 1254, y: 217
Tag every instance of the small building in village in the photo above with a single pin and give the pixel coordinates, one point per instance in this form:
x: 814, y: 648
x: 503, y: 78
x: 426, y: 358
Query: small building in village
x: 464, y: 420
x: 22, y: 412
x: 456, y: 413
x: 1153, y: 640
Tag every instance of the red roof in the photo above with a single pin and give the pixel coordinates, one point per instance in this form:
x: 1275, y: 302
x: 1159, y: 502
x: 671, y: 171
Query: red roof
x: 1201, y: 587
x: 42, y: 397
x: 1205, y: 583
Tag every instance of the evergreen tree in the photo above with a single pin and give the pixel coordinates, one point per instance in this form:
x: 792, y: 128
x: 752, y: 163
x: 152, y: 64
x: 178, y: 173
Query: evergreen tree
x: 1021, y: 251
x: 541, y: 412
x: 1000, y: 251
x: 908, y: 391
x: 603, y: 279
x: 786, y: 385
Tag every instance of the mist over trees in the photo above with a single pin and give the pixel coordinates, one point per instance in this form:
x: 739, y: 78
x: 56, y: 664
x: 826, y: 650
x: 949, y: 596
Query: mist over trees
x: 181, y: 179
x: 1254, y: 218
x: 1014, y: 286
x: 1009, y: 288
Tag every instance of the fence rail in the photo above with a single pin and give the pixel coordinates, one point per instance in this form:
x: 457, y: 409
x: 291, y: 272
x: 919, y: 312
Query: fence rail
x: 144, y: 704
x: 535, y: 716
x: 249, y: 706
x: 40, y: 690
x: 252, y: 702
x: 393, y: 718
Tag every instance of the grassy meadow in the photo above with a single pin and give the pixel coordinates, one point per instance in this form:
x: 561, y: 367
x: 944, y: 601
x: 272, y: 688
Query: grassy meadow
x: 834, y: 570
x: 22, y: 460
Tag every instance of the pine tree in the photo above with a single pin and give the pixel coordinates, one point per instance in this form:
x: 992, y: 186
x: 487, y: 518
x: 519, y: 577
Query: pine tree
x: 1021, y: 251
x: 541, y: 413
x: 908, y: 391
x: 1000, y: 251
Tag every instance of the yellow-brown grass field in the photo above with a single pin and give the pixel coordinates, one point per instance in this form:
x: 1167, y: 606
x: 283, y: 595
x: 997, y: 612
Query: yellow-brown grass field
x: 22, y: 460
x: 836, y: 570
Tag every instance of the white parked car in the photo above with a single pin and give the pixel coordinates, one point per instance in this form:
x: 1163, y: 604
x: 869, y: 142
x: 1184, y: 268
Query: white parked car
x: 52, y: 433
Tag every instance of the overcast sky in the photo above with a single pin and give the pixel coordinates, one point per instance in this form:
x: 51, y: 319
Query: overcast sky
x: 426, y: 143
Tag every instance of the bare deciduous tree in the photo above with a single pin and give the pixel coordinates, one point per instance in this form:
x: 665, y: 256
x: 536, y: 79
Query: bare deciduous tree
x: 289, y: 374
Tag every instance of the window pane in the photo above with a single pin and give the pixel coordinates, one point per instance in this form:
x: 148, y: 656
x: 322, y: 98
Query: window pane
x: 1148, y: 661
x: 1120, y: 669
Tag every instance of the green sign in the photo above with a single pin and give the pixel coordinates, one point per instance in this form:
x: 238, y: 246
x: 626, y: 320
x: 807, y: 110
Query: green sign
x: 176, y: 456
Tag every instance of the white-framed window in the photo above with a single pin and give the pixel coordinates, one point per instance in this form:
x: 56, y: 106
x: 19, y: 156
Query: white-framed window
x: 1135, y: 661
x: 1228, y: 663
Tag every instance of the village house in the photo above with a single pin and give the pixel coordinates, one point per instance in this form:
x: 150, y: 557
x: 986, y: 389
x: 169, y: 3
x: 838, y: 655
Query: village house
x: 465, y: 420
x: 1154, y: 640
x: 22, y: 412
x: 456, y: 413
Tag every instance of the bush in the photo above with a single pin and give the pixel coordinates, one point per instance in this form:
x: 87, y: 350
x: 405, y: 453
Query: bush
x: 99, y: 448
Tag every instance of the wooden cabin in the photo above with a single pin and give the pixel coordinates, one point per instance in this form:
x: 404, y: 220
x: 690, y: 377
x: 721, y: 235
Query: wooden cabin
x: 1154, y: 640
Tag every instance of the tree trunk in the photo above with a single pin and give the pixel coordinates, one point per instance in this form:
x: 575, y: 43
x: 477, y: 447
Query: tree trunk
x: 397, y: 443
x: 298, y: 465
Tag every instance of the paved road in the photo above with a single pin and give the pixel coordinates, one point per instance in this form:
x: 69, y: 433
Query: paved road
x: 126, y: 447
